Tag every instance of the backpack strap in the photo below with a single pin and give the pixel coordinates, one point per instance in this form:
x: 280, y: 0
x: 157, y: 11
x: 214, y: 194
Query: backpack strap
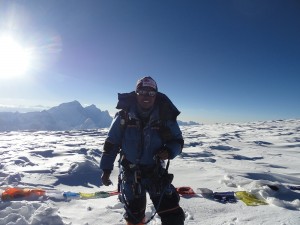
x: 123, y: 119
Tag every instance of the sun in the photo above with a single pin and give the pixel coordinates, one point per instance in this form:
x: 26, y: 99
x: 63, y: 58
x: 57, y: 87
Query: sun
x: 15, y: 60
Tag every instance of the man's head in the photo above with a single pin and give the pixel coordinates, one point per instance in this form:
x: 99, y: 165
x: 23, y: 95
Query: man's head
x: 146, y: 89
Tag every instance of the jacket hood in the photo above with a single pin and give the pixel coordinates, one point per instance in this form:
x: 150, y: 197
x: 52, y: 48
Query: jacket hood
x: 167, y: 109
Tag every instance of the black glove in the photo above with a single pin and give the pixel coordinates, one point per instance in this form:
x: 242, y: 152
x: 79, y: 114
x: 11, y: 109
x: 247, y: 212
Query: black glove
x: 105, y: 177
x: 164, y: 153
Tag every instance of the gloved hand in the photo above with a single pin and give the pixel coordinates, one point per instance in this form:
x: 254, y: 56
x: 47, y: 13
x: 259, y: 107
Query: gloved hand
x: 164, y: 153
x: 105, y: 177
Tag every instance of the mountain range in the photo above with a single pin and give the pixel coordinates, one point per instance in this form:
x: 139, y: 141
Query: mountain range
x: 66, y: 116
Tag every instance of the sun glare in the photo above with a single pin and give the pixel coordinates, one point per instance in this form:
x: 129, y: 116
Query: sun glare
x: 15, y: 59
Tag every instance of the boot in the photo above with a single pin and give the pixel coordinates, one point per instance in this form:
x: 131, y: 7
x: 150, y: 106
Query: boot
x: 177, y: 217
x: 141, y: 223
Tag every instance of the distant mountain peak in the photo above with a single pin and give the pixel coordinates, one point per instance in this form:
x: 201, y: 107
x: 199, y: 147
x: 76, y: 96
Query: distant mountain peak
x: 74, y: 103
x: 91, y: 107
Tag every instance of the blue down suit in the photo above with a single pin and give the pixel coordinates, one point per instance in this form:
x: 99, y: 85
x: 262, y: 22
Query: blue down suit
x: 138, y: 142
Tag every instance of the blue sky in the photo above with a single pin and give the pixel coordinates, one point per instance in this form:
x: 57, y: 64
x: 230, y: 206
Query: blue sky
x: 218, y: 61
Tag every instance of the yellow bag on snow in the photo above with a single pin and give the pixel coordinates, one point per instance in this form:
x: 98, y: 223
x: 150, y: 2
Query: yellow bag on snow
x: 249, y: 199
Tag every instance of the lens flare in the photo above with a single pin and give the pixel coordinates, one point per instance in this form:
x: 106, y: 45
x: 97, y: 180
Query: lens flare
x: 15, y: 60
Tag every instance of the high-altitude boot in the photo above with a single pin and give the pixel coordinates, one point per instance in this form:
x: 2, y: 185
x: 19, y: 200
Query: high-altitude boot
x: 141, y: 223
x: 177, y: 217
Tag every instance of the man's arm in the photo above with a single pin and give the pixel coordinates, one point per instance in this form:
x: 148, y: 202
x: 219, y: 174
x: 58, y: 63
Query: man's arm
x: 111, y: 145
x: 175, y: 144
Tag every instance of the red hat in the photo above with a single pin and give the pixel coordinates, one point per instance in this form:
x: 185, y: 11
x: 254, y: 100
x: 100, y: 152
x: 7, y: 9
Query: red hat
x: 146, y: 82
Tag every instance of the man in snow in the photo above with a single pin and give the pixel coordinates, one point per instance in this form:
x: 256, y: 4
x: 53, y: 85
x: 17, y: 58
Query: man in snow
x: 145, y: 133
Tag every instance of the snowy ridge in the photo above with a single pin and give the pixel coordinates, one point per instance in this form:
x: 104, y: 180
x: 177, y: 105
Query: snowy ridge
x: 259, y: 157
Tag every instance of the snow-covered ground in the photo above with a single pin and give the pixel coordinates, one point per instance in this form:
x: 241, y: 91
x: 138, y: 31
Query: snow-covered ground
x: 222, y: 157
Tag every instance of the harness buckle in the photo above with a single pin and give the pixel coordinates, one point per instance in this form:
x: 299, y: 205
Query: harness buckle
x: 137, y: 185
x: 137, y: 176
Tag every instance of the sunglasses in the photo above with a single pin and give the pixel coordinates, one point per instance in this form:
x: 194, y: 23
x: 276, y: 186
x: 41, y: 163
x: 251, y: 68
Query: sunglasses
x: 146, y: 93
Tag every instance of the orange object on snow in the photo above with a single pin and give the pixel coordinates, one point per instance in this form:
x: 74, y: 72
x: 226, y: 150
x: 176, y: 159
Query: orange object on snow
x: 14, y: 193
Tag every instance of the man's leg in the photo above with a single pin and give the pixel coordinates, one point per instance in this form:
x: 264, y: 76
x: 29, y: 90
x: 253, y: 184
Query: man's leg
x: 168, y: 208
x: 135, y: 211
x: 134, y: 200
